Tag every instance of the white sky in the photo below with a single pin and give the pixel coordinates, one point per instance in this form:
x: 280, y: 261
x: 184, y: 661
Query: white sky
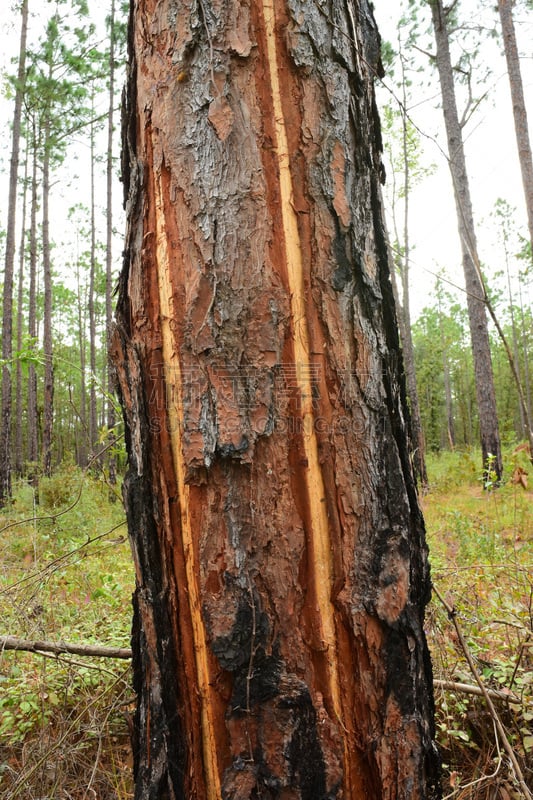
x: 490, y: 146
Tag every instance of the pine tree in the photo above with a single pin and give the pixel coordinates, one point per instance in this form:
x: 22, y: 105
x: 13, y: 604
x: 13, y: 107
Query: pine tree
x: 486, y: 398
x: 7, y: 303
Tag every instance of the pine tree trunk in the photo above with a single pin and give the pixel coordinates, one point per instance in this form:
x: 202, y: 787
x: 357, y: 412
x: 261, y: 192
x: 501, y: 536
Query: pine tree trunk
x: 33, y: 424
x: 48, y: 403
x: 485, y: 394
x: 522, y: 408
x: 448, y: 400
x: 111, y: 380
x: 525, y: 350
x: 7, y: 302
x: 505, y: 7
x: 82, y: 448
x: 19, y: 443
x: 419, y: 459
x: 278, y: 638
x: 93, y: 414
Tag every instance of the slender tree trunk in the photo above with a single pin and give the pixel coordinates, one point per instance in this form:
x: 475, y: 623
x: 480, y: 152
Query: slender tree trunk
x: 7, y: 303
x: 448, y: 400
x: 523, y: 433
x: 505, y: 7
x: 405, y: 315
x: 48, y: 404
x: 281, y: 567
x: 93, y: 419
x: 84, y: 438
x: 485, y: 394
x: 111, y: 379
x: 19, y: 442
x: 33, y: 427
x: 525, y: 351
x: 450, y: 424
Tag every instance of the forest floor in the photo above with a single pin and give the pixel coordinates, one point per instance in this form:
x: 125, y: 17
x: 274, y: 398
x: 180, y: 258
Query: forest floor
x: 66, y: 575
x: 480, y: 624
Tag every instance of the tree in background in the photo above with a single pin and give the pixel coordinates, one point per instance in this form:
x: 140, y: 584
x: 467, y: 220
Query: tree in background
x: 402, y: 145
x: 33, y: 135
x: 445, y: 374
x: 115, y: 39
x: 7, y: 302
x: 62, y: 70
x: 18, y: 438
x: 485, y: 393
x: 505, y: 9
x: 279, y: 548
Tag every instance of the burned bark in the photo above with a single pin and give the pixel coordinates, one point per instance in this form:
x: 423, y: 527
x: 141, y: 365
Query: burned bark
x: 280, y: 557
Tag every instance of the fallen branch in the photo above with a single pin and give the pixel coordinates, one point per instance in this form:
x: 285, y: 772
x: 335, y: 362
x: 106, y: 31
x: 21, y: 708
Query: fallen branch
x: 468, y: 688
x: 13, y: 643
x: 101, y: 651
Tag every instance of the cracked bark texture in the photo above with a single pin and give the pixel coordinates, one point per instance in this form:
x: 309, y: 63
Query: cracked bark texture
x: 280, y: 557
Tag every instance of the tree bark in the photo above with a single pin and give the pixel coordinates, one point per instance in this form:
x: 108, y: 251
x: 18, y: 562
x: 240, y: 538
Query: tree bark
x: 7, y: 302
x: 278, y: 643
x: 505, y: 8
x: 485, y: 394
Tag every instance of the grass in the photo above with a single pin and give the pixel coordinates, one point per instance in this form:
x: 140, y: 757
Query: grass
x: 67, y: 575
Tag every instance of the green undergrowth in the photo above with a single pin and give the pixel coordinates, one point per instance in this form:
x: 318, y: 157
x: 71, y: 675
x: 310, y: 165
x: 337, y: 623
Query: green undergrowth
x: 65, y: 575
x: 481, y: 550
